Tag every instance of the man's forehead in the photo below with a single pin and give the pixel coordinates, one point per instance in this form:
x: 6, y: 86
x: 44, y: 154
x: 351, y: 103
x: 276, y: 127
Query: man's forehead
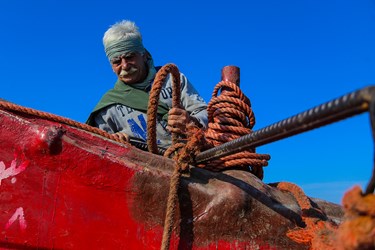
x: 117, y: 48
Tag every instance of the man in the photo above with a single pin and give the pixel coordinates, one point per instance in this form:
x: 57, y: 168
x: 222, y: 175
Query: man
x: 123, y: 109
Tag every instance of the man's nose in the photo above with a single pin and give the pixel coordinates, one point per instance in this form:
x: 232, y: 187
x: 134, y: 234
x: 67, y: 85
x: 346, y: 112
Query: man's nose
x: 124, y: 63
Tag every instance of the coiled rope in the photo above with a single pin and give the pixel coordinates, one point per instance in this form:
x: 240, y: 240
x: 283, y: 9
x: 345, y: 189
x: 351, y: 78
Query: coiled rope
x: 229, y: 117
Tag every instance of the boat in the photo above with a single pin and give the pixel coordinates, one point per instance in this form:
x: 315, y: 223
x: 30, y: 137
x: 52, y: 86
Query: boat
x: 66, y: 187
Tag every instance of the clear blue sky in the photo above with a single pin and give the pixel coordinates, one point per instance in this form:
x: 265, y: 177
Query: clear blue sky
x: 293, y: 55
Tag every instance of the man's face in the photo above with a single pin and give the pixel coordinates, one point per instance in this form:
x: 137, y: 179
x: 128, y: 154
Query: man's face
x: 130, y: 67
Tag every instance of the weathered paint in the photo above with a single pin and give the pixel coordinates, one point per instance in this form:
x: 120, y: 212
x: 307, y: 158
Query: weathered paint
x: 81, y: 191
x: 13, y: 170
x: 18, y: 215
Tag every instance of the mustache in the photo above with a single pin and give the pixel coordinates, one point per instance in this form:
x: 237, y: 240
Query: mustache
x: 128, y: 72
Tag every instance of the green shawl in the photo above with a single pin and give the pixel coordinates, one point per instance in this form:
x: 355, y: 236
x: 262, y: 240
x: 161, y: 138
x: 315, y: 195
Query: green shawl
x: 128, y: 96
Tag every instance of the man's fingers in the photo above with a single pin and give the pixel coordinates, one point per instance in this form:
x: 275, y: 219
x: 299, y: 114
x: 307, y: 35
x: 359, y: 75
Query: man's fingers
x: 122, y: 136
x: 178, y: 118
x: 176, y: 122
x: 174, y: 129
x: 176, y: 111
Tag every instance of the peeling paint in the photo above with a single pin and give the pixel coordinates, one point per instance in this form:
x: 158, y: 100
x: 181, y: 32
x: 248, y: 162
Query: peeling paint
x: 13, y: 170
x: 19, y: 214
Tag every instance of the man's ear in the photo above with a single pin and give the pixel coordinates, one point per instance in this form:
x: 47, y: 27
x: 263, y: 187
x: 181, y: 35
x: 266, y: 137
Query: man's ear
x: 146, y: 56
x: 113, y: 69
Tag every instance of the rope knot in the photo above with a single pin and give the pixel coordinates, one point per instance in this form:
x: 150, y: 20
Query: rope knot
x: 184, y: 152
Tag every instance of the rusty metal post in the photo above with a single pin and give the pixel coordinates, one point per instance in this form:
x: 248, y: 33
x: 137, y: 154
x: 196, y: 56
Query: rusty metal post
x: 231, y: 74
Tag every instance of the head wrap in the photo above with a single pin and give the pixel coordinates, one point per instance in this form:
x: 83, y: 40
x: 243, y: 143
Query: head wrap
x: 123, y: 46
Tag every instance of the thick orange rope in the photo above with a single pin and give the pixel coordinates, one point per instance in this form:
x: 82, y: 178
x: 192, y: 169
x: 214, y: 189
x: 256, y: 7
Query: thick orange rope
x: 55, y: 118
x: 229, y: 117
x: 186, y: 151
x: 154, y: 100
x: 152, y: 145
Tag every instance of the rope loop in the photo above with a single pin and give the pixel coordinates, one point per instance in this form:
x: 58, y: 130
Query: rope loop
x: 154, y: 100
x: 180, y: 165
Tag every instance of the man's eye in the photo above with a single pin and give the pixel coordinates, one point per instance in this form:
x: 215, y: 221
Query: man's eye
x: 116, y: 61
x: 130, y: 56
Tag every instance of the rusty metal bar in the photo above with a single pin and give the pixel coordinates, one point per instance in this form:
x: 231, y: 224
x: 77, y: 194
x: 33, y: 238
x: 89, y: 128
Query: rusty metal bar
x: 136, y: 142
x: 343, y: 107
x: 371, y: 185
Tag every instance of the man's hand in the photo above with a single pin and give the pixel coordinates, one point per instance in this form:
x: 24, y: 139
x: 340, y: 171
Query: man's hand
x: 177, y: 120
x: 122, y: 136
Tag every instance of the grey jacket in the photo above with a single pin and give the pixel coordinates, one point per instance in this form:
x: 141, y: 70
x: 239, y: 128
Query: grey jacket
x: 120, y: 118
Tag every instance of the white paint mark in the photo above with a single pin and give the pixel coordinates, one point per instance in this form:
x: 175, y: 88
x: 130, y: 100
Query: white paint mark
x: 13, y: 170
x: 19, y: 214
x: 13, y: 180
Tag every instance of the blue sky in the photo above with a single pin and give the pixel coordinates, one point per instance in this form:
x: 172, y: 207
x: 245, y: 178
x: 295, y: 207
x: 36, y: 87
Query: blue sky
x: 293, y: 55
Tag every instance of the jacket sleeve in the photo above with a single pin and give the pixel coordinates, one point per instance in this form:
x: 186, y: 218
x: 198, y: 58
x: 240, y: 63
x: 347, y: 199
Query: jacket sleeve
x: 106, y: 119
x: 193, y: 102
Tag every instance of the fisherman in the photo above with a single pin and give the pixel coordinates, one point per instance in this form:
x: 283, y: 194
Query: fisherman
x: 123, y: 109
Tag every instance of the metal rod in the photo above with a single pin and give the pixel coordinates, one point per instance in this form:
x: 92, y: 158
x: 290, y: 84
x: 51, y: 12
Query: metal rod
x: 143, y: 145
x: 371, y: 185
x: 343, y: 107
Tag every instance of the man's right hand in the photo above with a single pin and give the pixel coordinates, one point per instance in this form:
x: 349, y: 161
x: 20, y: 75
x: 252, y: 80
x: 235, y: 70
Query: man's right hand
x: 122, y: 136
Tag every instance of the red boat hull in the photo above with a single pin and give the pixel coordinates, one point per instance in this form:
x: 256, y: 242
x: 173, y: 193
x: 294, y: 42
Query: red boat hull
x: 65, y: 188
